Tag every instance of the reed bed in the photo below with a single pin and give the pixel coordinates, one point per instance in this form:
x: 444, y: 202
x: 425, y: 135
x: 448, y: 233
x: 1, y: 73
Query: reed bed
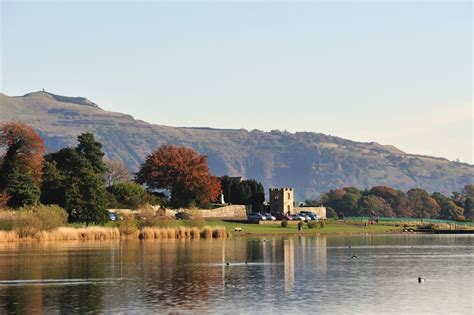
x: 105, y: 233
x: 183, y: 232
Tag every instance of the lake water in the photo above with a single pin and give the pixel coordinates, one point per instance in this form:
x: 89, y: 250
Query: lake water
x: 282, y: 275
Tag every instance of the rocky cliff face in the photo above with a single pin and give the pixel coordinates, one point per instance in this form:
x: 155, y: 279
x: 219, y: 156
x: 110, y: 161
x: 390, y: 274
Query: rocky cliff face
x: 310, y: 162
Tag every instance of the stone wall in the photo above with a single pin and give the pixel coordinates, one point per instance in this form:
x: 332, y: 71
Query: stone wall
x: 233, y: 211
x: 320, y: 211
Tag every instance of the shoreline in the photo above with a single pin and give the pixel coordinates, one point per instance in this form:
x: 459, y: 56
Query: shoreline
x: 210, y: 229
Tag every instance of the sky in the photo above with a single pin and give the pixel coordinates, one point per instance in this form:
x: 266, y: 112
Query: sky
x: 397, y: 73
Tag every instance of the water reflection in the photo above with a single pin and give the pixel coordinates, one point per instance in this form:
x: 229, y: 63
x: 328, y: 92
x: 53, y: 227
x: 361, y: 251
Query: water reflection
x: 271, y: 274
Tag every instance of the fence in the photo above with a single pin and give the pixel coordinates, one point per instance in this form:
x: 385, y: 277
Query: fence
x: 410, y: 220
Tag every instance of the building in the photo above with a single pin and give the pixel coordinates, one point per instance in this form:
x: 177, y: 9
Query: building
x: 282, y: 200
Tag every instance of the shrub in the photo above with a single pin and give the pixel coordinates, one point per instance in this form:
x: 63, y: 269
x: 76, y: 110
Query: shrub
x: 28, y: 224
x: 321, y: 224
x: 4, y: 198
x: 51, y: 216
x: 330, y: 213
x: 127, y: 224
x: 312, y: 224
x: 148, y: 216
x: 8, y: 220
x: 157, y: 198
x: 284, y: 224
x: 30, y: 220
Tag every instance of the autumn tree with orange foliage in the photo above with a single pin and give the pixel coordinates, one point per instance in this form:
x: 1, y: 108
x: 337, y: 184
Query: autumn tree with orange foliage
x: 181, y: 171
x: 22, y: 163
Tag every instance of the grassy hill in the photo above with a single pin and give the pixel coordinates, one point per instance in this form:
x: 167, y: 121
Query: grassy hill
x: 310, y: 162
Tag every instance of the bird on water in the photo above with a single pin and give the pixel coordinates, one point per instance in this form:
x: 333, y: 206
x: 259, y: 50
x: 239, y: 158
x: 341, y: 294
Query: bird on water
x: 420, y: 279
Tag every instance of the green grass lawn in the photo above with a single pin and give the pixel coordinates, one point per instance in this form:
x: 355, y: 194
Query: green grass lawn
x: 330, y: 227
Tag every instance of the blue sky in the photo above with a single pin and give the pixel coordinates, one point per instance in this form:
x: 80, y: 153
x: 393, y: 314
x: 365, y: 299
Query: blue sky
x: 396, y: 73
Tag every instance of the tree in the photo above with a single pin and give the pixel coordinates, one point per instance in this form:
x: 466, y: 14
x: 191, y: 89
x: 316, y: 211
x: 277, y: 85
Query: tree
x: 257, y: 194
x: 344, y: 200
x: 229, y: 186
x: 92, y: 151
x: 182, y: 172
x: 71, y: 181
x: 21, y: 167
x: 375, y: 206
x: 21, y: 190
x: 244, y: 192
x: 423, y: 205
x: 397, y: 199
x: 448, y: 208
x: 128, y: 195
x: 116, y: 173
x: 468, y: 201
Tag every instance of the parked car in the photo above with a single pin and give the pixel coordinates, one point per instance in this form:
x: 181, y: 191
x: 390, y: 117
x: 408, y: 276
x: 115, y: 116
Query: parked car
x: 298, y: 217
x: 305, y: 216
x: 183, y: 216
x: 113, y: 216
x: 256, y: 217
x: 313, y: 216
x: 282, y: 216
x: 269, y: 216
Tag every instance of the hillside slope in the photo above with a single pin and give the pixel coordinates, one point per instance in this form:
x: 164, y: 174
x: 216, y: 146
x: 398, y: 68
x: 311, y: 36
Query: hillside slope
x: 309, y: 162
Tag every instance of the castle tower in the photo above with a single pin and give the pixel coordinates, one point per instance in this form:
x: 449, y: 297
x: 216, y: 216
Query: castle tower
x: 282, y: 200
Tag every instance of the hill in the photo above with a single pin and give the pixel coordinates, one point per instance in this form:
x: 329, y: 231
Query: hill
x: 310, y: 162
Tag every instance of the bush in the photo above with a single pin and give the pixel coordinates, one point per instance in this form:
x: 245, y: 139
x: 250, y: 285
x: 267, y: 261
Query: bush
x: 148, y: 216
x: 4, y: 198
x: 156, y: 198
x: 312, y: 224
x: 30, y: 220
x: 8, y: 220
x: 28, y: 224
x: 127, y: 195
x: 330, y: 213
x: 127, y: 224
x: 284, y: 224
x: 51, y: 217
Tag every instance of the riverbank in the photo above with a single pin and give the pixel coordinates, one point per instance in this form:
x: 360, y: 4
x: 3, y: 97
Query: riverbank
x: 205, y: 229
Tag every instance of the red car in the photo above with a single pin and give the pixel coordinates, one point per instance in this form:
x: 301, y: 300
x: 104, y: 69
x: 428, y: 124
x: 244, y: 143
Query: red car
x: 282, y: 216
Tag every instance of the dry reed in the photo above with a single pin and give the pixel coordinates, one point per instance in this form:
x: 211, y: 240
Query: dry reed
x: 106, y: 233
x: 182, y: 233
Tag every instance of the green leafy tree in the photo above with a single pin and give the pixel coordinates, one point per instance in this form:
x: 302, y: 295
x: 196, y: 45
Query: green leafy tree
x: 257, y: 194
x: 127, y: 195
x: 21, y: 189
x: 246, y: 192
x: 468, y: 201
x: 92, y: 151
x: 344, y: 200
x: 71, y: 180
x: 448, y: 208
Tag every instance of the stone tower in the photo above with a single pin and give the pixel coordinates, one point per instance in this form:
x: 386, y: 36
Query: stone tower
x: 282, y: 200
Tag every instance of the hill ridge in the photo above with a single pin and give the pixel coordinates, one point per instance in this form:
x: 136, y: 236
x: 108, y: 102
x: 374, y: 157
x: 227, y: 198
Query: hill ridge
x: 310, y: 162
